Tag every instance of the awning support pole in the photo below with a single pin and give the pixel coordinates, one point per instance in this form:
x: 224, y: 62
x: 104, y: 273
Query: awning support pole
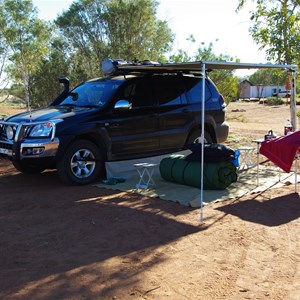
x: 202, y: 140
x: 293, y: 101
x: 294, y: 120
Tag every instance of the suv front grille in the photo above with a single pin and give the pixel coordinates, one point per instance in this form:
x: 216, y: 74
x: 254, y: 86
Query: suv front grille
x: 2, y: 131
x: 6, y: 146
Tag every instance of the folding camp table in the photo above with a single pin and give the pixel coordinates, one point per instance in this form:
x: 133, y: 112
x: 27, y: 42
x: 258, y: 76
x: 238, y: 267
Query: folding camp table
x: 145, y: 171
x: 245, y: 158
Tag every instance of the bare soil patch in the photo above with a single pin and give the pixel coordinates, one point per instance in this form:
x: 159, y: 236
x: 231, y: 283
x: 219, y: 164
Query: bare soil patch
x: 62, y: 242
x: 252, y: 120
x: 7, y: 111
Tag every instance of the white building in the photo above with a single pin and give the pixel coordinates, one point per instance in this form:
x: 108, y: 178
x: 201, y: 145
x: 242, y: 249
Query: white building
x: 248, y: 90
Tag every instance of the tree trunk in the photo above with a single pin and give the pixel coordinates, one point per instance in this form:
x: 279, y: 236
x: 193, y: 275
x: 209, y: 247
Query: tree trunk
x: 25, y: 80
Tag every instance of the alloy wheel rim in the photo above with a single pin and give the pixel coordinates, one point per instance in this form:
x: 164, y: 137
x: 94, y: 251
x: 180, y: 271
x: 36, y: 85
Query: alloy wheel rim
x: 197, y: 140
x: 83, y: 163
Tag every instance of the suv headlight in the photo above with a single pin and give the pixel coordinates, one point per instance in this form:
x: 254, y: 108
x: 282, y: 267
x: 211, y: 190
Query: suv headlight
x: 41, y: 130
x: 9, y: 132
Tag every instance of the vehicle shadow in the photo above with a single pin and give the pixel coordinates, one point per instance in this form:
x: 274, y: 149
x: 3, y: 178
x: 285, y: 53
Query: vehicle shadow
x: 53, y: 236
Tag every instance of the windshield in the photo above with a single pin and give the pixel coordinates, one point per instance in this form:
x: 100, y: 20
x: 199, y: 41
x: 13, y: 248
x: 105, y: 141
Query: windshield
x: 92, y: 94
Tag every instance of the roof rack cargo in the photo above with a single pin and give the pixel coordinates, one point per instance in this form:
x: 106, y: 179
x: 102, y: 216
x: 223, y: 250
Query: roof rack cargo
x: 121, y: 67
x: 112, y: 67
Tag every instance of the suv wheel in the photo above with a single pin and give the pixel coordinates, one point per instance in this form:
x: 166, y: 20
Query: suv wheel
x: 195, y: 137
x: 27, y: 168
x: 82, y: 163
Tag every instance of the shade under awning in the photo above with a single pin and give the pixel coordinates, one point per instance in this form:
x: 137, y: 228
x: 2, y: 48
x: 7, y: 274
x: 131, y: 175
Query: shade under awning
x: 203, y: 66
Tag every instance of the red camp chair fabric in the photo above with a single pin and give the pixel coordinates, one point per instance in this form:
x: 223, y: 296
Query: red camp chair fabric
x: 282, y: 150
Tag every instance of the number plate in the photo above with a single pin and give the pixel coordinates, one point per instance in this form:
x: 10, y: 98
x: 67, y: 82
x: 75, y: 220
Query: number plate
x: 4, y: 151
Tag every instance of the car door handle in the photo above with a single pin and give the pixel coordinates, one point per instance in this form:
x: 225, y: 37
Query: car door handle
x: 185, y: 110
x: 114, y: 125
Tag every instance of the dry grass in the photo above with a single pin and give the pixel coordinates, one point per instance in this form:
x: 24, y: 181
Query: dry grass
x: 10, y: 106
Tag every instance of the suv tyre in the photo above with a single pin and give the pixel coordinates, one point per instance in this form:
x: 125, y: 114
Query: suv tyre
x: 82, y: 163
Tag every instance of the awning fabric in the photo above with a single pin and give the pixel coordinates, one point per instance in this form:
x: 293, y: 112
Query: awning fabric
x: 196, y: 66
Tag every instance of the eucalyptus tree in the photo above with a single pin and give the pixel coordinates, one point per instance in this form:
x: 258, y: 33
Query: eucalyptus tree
x: 26, y: 37
x: 226, y: 80
x: 44, y: 84
x: 3, y: 60
x: 128, y: 29
x: 268, y: 77
x: 133, y: 30
x: 276, y: 28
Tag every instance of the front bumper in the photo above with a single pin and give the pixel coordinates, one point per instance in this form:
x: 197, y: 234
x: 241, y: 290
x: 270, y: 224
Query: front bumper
x: 21, y: 147
x: 40, y: 148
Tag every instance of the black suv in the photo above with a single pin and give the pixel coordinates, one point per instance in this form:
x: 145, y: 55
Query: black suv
x: 130, y: 114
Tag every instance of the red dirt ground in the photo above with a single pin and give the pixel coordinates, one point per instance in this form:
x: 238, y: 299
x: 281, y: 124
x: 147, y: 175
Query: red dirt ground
x: 62, y: 242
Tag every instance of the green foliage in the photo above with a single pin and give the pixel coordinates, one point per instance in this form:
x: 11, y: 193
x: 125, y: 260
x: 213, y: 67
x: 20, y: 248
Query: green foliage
x: 180, y: 56
x: 3, y: 58
x: 227, y: 84
x: 44, y: 82
x: 26, y: 38
x: 13, y: 97
x: 275, y: 101
x: 24, y: 34
x: 276, y: 28
x: 89, y: 31
x: 268, y: 77
x: 127, y: 29
x: 133, y: 32
x: 17, y: 91
x: 225, y: 80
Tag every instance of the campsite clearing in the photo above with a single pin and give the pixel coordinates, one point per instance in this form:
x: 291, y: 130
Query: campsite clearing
x: 62, y: 242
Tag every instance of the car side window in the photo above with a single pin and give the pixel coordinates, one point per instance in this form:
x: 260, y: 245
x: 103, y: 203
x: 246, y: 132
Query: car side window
x: 169, y: 90
x: 194, y: 86
x: 137, y: 92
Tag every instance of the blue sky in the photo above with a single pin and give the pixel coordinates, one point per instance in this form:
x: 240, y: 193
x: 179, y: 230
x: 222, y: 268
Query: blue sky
x: 207, y: 20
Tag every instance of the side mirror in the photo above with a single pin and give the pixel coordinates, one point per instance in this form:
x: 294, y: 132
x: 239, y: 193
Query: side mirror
x: 123, y: 105
x: 74, y: 96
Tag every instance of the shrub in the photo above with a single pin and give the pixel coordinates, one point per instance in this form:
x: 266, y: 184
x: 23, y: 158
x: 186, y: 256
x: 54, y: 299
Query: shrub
x: 275, y: 101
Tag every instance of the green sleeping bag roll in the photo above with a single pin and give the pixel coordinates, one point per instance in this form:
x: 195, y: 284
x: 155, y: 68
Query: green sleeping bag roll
x: 192, y: 175
x: 178, y: 170
x: 216, y: 176
x: 166, y: 166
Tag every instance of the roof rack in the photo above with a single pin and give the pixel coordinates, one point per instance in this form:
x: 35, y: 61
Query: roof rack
x: 119, y: 66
